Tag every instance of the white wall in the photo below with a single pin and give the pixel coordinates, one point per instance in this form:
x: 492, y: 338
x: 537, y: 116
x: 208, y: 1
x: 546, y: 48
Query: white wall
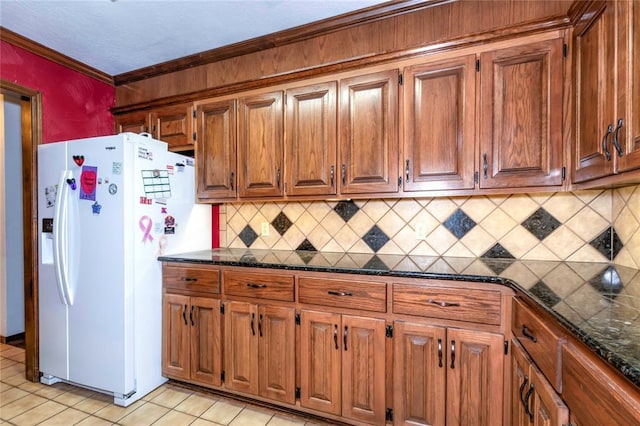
x: 12, y: 267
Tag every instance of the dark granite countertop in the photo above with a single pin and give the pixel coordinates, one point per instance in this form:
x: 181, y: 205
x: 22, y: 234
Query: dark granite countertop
x: 598, y: 303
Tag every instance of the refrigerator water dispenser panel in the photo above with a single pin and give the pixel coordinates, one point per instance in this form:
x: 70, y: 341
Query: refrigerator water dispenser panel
x: 46, y: 241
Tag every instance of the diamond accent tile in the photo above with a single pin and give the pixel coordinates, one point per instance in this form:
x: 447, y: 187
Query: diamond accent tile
x: 544, y: 293
x: 608, y: 243
x: 541, y: 224
x: 306, y: 246
x: 498, y: 252
x: 375, y: 238
x: 459, y: 223
x: 607, y: 282
x: 248, y: 236
x: 346, y: 209
x: 376, y: 263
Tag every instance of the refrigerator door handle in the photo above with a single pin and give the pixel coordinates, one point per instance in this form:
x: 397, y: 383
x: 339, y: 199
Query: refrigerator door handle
x: 60, y: 237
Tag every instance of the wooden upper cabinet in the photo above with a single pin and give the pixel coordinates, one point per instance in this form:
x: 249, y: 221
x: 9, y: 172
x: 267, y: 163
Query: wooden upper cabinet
x: 134, y: 122
x: 216, y: 150
x: 607, y: 75
x: 521, y: 115
x: 260, y: 145
x: 310, y: 141
x: 174, y: 125
x: 439, y: 125
x: 368, y: 140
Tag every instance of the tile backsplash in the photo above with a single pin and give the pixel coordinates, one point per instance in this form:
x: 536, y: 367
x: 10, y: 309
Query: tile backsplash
x: 582, y: 226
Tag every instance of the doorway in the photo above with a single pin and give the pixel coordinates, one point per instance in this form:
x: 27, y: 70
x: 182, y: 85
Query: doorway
x: 31, y: 135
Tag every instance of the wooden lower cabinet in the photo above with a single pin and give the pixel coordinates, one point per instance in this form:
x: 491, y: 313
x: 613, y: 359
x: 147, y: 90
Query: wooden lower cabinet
x: 191, y: 339
x: 533, y: 399
x: 343, y: 365
x: 447, y: 376
x: 260, y: 350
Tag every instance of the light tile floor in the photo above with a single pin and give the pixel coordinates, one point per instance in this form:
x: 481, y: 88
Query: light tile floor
x: 27, y: 403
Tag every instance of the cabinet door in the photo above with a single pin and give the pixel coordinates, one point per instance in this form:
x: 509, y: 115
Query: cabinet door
x: 320, y: 361
x: 547, y: 407
x: 311, y: 138
x: 260, y: 145
x: 216, y: 150
x: 369, y: 133
x: 521, y: 116
x: 241, y: 347
x: 520, y: 381
x: 439, y: 125
x: 134, y: 122
x: 419, y: 374
x: 363, y: 369
x: 474, y: 378
x: 206, y: 355
x: 628, y: 55
x: 173, y: 125
x: 276, y: 351
x: 594, y: 56
x: 175, y: 336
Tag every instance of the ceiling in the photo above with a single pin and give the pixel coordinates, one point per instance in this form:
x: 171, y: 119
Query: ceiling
x: 118, y: 36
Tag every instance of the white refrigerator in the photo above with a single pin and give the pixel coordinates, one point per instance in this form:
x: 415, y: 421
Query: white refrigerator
x: 107, y: 208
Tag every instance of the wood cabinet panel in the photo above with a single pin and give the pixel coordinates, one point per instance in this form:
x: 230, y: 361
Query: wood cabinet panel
x: 475, y: 377
x: 134, y: 122
x: 321, y: 362
x: 363, y: 369
x: 173, y: 124
x: 368, y: 296
x: 520, y: 380
x: 202, y: 279
x: 216, y: 149
x: 480, y: 306
x: 439, y: 125
x: 521, y: 115
x: 241, y: 347
x: 311, y: 139
x: 206, y: 349
x: 260, y: 145
x: 419, y: 374
x: 368, y: 139
x: 175, y: 336
x: 276, y: 353
x: 263, y: 286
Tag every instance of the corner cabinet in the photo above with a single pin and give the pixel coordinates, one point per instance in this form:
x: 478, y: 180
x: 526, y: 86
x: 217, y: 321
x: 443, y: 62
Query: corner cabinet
x: 607, y: 79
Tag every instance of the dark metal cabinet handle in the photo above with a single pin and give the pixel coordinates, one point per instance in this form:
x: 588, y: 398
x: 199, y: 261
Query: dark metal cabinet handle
x: 335, y: 335
x: 453, y: 353
x: 443, y: 304
x: 332, y: 174
x: 344, y: 338
x: 184, y: 314
x: 253, y: 318
x: 616, y: 143
x: 343, y: 174
x: 406, y: 170
x: 278, y: 177
x: 339, y: 293
x: 231, y: 180
x: 191, y: 315
x: 440, y: 353
x: 604, y: 142
x: 485, y: 166
x: 522, y: 386
x: 526, y: 402
x: 188, y: 279
x: 260, y: 325
x: 254, y: 285
x: 526, y: 333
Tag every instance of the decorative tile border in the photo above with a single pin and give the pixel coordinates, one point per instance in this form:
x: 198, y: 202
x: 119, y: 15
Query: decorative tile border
x: 582, y: 226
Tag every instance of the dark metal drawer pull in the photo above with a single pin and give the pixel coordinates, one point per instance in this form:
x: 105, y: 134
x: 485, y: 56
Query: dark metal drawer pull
x: 443, y: 304
x: 335, y: 335
x: 522, y: 386
x: 344, y: 337
x: 526, y: 333
x: 440, y: 353
x: 188, y: 279
x: 191, y: 315
x: 253, y: 318
x: 526, y: 402
x: 453, y: 354
x: 339, y: 293
x: 253, y: 285
x: 607, y: 154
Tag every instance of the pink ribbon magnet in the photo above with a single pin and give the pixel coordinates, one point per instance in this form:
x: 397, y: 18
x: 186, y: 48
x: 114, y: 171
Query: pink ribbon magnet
x: 145, y: 224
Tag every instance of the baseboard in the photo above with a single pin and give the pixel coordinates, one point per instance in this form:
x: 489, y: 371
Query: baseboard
x: 13, y: 338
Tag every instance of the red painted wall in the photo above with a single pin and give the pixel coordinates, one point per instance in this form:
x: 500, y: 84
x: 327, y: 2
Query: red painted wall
x: 73, y: 104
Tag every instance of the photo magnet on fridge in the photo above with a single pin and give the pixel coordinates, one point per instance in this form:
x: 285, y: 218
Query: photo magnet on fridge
x: 88, y: 180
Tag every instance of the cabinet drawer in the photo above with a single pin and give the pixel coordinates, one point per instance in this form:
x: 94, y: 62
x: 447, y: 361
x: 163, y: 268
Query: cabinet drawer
x: 594, y: 395
x: 200, y: 278
x: 541, y: 342
x: 363, y: 295
x: 264, y: 286
x: 479, y: 306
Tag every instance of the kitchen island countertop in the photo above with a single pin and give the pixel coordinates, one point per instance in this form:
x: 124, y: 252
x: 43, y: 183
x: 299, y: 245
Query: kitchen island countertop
x: 598, y: 303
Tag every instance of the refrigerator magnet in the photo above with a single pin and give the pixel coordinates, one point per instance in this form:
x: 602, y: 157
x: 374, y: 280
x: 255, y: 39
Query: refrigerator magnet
x: 146, y: 224
x: 79, y: 160
x: 50, y: 195
x: 72, y: 183
x: 88, y: 179
x: 113, y: 188
x: 96, y: 208
x: 169, y: 225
